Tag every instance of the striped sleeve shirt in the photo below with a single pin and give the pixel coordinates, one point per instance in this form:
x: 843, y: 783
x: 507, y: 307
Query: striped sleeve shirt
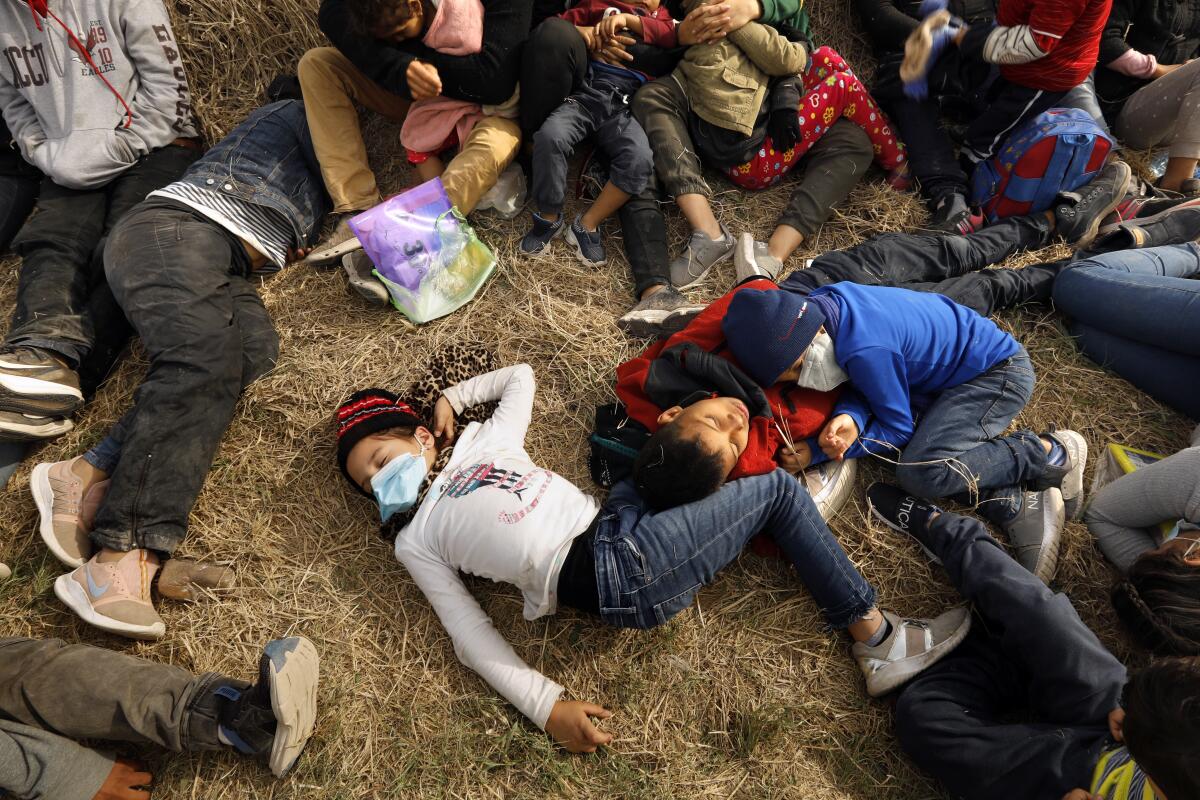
x: 1118, y: 777
x: 263, y: 228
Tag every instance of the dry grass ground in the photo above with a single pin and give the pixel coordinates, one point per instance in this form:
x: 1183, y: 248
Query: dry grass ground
x: 741, y: 696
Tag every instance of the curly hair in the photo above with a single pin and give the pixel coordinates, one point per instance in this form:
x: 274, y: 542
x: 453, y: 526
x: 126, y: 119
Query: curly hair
x: 1159, y: 603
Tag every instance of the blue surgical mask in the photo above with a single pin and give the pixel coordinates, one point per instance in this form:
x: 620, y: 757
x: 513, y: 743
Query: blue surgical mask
x: 397, y: 485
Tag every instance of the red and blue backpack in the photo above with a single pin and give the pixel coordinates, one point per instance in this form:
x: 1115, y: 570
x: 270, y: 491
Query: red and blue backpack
x: 1059, y: 150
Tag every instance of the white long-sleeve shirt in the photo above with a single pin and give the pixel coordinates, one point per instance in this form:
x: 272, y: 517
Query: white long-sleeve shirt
x: 492, y: 512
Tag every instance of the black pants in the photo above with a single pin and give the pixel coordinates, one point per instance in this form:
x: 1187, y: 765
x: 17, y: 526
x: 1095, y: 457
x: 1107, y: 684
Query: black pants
x: 554, y: 64
x: 601, y: 108
x: 183, y: 282
x: 954, y: 266
x: 18, y: 190
x: 1020, y: 708
x: 63, y: 303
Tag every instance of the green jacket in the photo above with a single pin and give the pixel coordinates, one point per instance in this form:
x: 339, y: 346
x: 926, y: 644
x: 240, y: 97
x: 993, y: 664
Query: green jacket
x: 726, y: 82
x: 785, y: 12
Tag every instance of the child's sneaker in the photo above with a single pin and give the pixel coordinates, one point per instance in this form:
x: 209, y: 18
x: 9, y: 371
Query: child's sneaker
x: 67, y: 511
x: 183, y: 579
x: 830, y: 485
x: 912, y: 646
x: 359, y: 273
x: 661, y: 314
x: 540, y: 235
x: 16, y: 426
x: 337, y: 244
x: 589, y: 248
x: 954, y: 215
x: 1068, y: 476
x: 699, y: 256
x: 1035, y: 532
x: 274, y: 718
x: 1079, y: 214
x: 752, y: 259
x: 922, y: 49
x: 903, y: 512
x: 114, y: 596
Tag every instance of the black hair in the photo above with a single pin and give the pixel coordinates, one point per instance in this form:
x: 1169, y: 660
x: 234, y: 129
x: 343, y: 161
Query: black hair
x: 1159, y: 603
x: 672, y: 469
x: 365, y: 14
x: 1162, y: 724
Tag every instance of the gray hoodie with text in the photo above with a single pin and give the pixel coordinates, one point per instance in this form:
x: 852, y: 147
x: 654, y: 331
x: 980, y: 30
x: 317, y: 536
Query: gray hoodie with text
x: 65, y: 119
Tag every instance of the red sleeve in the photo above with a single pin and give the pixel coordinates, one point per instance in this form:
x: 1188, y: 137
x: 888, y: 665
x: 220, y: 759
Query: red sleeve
x: 659, y: 30
x: 586, y: 13
x: 1049, y: 20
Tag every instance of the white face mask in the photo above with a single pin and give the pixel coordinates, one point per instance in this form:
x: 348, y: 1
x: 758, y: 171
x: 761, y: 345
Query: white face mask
x: 820, y: 370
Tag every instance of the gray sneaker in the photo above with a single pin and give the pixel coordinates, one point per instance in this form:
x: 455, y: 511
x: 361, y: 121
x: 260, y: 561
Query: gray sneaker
x: 699, y: 256
x: 1036, y: 532
x: 34, y: 382
x: 831, y: 485
x: 752, y: 259
x: 18, y: 427
x: 358, y: 268
x: 661, y: 314
x: 337, y: 244
x: 1079, y: 214
x: 913, y: 646
x: 1068, y: 477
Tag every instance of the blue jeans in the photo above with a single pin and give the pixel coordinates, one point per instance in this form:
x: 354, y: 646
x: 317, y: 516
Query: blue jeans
x: 1020, y: 708
x: 1135, y: 312
x: 650, y: 565
x: 105, y: 455
x: 963, y: 425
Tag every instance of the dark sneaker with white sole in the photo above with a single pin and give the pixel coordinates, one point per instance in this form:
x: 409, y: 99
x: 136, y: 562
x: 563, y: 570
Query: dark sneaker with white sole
x: 904, y: 513
x: 1157, y: 223
x: 1036, y: 532
x: 1079, y: 214
x: 18, y: 427
x: 589, y: 247
x: 912, y: 646
x: 273, y: 719
x: 359, y: 273
x: 661, y: 314
x: 34, y: 382
x: 540, y: 234
x: 1068, y: 476
x: 699, y: 256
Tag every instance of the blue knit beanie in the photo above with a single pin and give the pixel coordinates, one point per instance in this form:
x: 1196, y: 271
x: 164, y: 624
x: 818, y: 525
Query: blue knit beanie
x: 768, y: 330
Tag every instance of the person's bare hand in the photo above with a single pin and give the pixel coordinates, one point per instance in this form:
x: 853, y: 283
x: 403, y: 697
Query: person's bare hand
x: 613, y: 50
x: 1165, y: 69
x: 795, y: 461
x: 589, y: 37
x: 123, y: 780
x: 443, y: 421
x: 570, y: 725
x: 1116, y: 723
x: 1081, y: 794
x: 610, y: 26
x: 423, y: 80
x: 838, y: 435
x: 297, y: 253
x: 704, y: 25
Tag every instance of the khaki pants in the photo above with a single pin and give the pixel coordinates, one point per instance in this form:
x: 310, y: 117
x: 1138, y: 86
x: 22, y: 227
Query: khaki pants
x: 333, y: 87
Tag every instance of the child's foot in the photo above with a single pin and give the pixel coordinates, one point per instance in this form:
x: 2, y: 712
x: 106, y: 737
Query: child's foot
x: 699, y: 256
x: 589, y: 248
x: 903, y: 512
x: 661, y: 314
x: 831, y: 484
x: 900, y: 178
x: 1064, y: 469
x: 274, y: 718
x: 910, y: 647
x: 1078, y: 214
x: 358, y: 269
x: 183, y: 579
x: 337, y: 244
x: 540, y: 235
x: 114, y: 596
x: 1035, y: 532
x: 67, y: 508
x: 752, y: 259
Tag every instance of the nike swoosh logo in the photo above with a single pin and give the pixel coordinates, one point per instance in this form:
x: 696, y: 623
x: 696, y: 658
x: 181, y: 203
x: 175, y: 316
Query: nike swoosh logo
x: 95, y: 591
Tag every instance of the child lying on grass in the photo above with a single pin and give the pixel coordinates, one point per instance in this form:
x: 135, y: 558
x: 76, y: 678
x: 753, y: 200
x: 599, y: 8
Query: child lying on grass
x: 473, y: 501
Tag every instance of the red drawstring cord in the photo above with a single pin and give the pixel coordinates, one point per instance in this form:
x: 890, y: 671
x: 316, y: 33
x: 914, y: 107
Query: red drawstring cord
x: 42, y: 7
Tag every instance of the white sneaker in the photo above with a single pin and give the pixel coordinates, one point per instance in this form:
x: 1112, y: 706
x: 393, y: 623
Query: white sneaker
x: 913, y: 646
x: 752, y: 259
x: 831, y: 485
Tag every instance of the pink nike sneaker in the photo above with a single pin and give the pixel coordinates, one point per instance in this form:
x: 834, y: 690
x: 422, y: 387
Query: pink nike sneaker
x: 67, y: 511
x: 115, y: 596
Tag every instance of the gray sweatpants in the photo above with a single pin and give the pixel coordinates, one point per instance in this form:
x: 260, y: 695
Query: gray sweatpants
x: 1165, y: 111
x: 52, y: 693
